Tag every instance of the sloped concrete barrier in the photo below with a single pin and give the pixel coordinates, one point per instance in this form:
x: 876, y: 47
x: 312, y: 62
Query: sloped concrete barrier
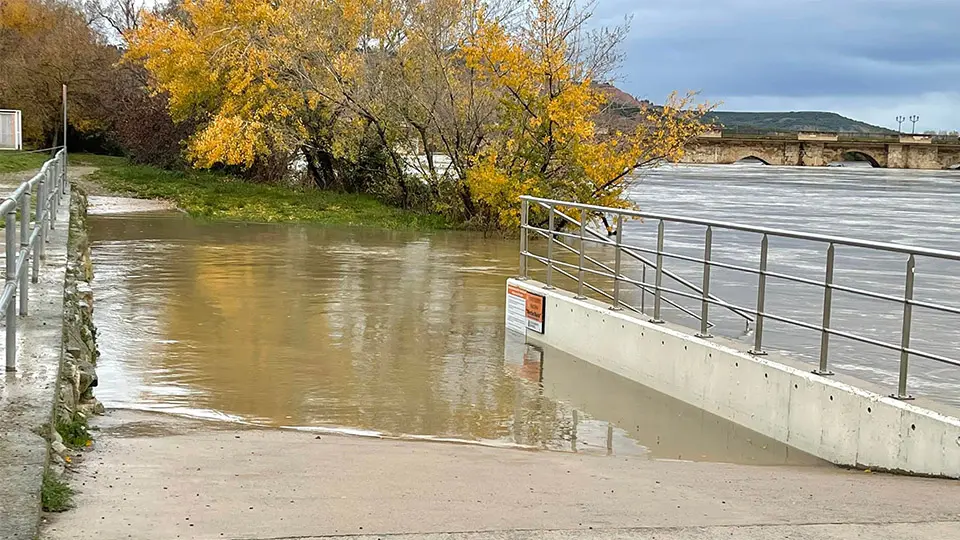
x: 840, y: 419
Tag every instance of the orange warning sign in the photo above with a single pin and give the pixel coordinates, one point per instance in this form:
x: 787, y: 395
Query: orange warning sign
x: 524, y: 310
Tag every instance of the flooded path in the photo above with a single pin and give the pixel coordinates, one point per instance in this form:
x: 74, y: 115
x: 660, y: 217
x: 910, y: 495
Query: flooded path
x: 362, y: 331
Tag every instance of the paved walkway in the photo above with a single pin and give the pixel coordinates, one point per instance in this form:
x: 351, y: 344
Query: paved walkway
x: 156, y: 476
x: 26, y: 396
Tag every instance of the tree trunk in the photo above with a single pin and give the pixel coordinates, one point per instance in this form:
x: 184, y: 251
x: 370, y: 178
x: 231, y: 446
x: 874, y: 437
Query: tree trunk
x: 322, y: 171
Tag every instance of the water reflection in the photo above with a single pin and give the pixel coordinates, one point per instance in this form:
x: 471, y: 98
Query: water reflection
x: 363, y: 331
x: 664, y: 427
x: 306, y: 326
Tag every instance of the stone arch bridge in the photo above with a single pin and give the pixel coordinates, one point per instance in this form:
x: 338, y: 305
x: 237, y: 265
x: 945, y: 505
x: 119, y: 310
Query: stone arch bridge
x: 820, y: 149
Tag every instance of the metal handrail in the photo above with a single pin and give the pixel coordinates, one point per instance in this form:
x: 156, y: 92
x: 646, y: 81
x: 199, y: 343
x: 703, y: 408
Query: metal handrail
x: 707, y: 299
x: 633, y: 253
x: 51, y: 186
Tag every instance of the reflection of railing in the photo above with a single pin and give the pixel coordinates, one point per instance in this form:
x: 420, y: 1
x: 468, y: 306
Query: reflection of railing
x: 702, y: 293
x: 50, y: 184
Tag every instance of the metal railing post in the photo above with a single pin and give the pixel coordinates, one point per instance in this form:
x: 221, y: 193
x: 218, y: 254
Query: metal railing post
x: 524, y: 237
x: 583, y: 226
x: 64, y: 184
x: 42, y: 196
x: 616, y: 264
x: 10, y: 235
x: 705, y: 286
x: 25, y: 249
x: 53, y: 190
x: 550, y: 241
x: 658, y: 292
x: 827, y: 308
x: 761, y: 298
x: 643, y: 290
x: 905, y: 332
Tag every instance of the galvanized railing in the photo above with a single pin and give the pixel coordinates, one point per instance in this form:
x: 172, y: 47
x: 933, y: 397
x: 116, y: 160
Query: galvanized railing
x: 551, y: 227
x: 26, y: 246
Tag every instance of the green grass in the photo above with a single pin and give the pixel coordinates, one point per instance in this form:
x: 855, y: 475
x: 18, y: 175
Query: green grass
x: 75, y: 434
x: 94, y: 160
x: 21, y: 161
x: 55, y: 494
x: 217, y: 196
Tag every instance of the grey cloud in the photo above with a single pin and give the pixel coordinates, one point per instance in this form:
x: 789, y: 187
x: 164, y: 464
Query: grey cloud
x: 792, y: 49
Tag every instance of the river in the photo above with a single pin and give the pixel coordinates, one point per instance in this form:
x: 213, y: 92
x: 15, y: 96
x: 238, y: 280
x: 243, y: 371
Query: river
x: 899, y: 206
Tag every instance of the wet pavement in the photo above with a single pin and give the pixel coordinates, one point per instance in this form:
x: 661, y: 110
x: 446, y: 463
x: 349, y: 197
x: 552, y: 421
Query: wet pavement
x: 158, y: 476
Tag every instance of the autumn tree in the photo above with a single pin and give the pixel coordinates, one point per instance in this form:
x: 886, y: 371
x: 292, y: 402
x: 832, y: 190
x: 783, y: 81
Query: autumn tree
x: 545, y: 69
x: 44, y: 45
x: 476, y: 102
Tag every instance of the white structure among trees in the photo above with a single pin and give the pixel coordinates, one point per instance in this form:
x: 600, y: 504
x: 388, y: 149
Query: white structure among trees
x: 11, y: 130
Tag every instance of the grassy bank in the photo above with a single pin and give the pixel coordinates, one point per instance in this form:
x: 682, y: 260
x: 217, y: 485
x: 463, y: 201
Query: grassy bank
x: 217, y: 196
x: 21, y: 161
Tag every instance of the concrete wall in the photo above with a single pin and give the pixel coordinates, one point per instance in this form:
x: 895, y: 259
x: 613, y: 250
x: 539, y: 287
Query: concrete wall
x: 948, y: 157
x: 837, y: 419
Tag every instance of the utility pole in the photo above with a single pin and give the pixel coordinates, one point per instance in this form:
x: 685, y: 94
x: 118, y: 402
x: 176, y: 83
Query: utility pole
x: 64, y: 136
x: 914, y: 118
x: 900, y: 120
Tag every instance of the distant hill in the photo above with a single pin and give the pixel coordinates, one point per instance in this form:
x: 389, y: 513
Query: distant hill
x: 791, y: 121
x: 622, y: 110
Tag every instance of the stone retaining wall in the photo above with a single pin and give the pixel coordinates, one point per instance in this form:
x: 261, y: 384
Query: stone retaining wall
x: 78, y: 375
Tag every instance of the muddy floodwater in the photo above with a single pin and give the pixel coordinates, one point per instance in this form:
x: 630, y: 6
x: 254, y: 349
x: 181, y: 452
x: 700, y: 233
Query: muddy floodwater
x: 363, y: 331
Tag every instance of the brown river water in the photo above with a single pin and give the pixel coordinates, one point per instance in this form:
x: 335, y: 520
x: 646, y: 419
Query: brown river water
x: 362, y: 331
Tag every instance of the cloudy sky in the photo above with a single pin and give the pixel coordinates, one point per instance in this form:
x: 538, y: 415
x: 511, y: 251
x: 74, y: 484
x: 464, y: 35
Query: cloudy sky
x: 867, y: 59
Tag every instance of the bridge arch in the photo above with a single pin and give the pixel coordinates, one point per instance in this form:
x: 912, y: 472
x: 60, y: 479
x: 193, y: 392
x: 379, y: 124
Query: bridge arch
x: 859, y: 155
x: 751, y: 159
x: 949, y: 158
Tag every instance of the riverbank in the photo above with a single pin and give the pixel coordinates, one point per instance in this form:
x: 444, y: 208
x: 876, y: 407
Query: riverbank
x: 216, y: 196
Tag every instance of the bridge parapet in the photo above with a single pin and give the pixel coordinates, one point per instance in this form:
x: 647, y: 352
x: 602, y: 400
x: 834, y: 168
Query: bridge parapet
x: 817, y: 136
x: 884, y: 149
x: 916, y: 139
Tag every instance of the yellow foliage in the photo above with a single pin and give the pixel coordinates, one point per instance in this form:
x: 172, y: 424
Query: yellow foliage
x: 43, y: 45
x: 513, y: 103
x: 549, y: 142
x: 223, y: 61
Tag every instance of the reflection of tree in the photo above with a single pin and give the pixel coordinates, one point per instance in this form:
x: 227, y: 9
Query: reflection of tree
x: 396, y: 332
